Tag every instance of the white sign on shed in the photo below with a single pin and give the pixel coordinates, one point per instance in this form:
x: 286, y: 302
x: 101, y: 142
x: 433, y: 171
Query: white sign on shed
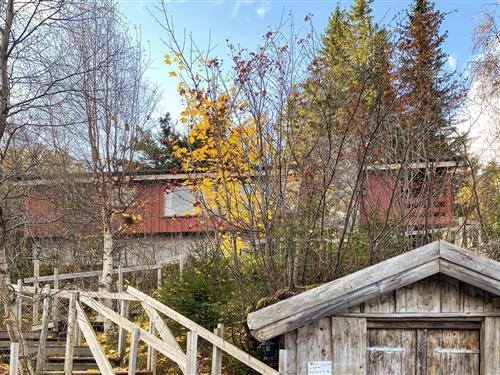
x: 319, y: 368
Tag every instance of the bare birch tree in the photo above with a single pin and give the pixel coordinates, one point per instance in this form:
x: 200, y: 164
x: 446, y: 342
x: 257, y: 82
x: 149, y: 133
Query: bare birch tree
x: 35, y: 79
x: 114, y: 102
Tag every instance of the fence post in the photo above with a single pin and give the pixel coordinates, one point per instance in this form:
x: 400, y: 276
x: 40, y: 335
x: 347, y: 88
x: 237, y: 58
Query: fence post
x: 14, y: 358
x: 122, y: 334
x: 151, y: 360
x: 70, y: 337
x: 283, y: 361
x: 36, y: 284
x: 19, y: 303
x: 216, y: 352
x: 159, y: 277
x: 191, y: 351
x: 132, y: 359
x: 55, y: 302
x: 40, y: 358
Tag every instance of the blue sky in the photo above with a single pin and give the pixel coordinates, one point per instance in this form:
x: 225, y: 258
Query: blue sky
x: 244, y: 22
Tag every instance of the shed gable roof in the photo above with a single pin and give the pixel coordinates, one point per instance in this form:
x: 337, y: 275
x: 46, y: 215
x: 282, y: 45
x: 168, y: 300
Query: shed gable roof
x: 338, y: 295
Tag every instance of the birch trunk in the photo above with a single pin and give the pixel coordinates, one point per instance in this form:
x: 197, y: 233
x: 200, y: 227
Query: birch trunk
x: 107, y: 271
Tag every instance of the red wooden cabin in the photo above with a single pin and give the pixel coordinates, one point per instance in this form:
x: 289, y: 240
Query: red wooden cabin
x: 416, y: 195
x: 161, y: 206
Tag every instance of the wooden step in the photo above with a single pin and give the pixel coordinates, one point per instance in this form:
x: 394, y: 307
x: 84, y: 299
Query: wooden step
x: 50, y: 350
x: 83, y: 372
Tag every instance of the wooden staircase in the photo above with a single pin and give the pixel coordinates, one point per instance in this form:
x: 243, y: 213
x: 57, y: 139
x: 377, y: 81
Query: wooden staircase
x: 83, y: 360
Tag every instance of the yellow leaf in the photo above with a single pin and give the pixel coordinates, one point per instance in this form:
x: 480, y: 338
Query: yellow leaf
x: 172, y: 74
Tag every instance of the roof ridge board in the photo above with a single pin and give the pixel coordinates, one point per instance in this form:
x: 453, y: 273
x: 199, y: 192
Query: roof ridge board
x: 354, y: 297
x: 469, y: 276
x: 337, y: 288
x: 470, y: 260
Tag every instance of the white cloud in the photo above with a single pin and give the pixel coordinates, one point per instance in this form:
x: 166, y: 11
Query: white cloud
x: 263, y: 9
x: 237, y: 5
x: 451, y: 62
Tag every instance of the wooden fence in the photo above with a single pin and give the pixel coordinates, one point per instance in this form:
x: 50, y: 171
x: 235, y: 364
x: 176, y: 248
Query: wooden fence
x: 158, y: 339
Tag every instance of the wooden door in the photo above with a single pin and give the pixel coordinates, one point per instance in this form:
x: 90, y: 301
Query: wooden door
x: 422, y: 351
x: 391, y: 351
x: 452, y: 352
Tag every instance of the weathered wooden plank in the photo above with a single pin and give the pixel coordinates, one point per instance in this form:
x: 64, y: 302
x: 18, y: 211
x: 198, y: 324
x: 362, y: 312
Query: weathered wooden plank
x: 450, y: 294
x: 302, y: 353
x: 470, y: 260
x: 191, y: 353
x: 383, y: 303
x: 409, y: 342
x: 325, y: 339
x: 348, y: 345
x: 204, y: 333
x: 70, y: 337
x: 421, y: 355
x: 122, y: 333
x: 291, y: 348
x: 472, y: 298
x: 421, y: 296
x: 422, y: 315
x: 490, y: 363
x: 470, y: 276
x: 55, y: 302
x: 14, y: 358
x: 216, y: 352
x: 134, y: 346
x: 82, y: 275
x: 325, y: 294
x: 296, y: 316
x: 171, y: 352
x: 40, y: 358
x: 424, y: 324
x: 283, y: 362
x: 163, y: 330
x: 66, y: 293
x: 97, y: 351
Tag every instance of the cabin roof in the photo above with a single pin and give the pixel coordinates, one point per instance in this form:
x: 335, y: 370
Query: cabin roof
x: 408, y: 268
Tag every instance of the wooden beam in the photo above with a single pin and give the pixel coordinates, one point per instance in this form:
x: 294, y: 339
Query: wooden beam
x: 14, y: 358
x: 216, y: 352
x: 292, y: 315
x: 168, y: 350
x: 36, y: 291
x: 323, y: 297
x: 476, y: 316
x: 163, y: 330
x: 490, y: 346
x: 70, y: 337
x: 66, y: 293
x: 55, y: 302
x: 134, y: 346
x: 94, y: 346
x: 469, y: 276
x: 283, y: 361
x: 225, y: 346
x: 40, y: 357
x: 82, y: 275
x: 122, y: 333
x: 471, y: 260
x: 191, y: 352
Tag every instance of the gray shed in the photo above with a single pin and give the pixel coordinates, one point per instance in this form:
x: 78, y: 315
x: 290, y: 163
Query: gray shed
x: 433, y: 310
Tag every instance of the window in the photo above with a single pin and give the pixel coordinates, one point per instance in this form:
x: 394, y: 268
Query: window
x: 179, y: 202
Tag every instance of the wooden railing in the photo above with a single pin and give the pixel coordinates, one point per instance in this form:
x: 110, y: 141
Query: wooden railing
x: 166, y: 343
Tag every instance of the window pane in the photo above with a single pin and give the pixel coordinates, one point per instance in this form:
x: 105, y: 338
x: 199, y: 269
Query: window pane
x: 179, y: 202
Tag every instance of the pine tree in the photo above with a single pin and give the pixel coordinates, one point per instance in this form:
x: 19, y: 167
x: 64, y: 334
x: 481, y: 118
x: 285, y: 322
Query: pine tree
x: 430, y: 93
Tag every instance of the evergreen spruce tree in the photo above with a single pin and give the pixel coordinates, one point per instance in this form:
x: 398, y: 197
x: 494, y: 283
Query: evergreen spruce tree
x: 158, y: 150
x: 430, y: 92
